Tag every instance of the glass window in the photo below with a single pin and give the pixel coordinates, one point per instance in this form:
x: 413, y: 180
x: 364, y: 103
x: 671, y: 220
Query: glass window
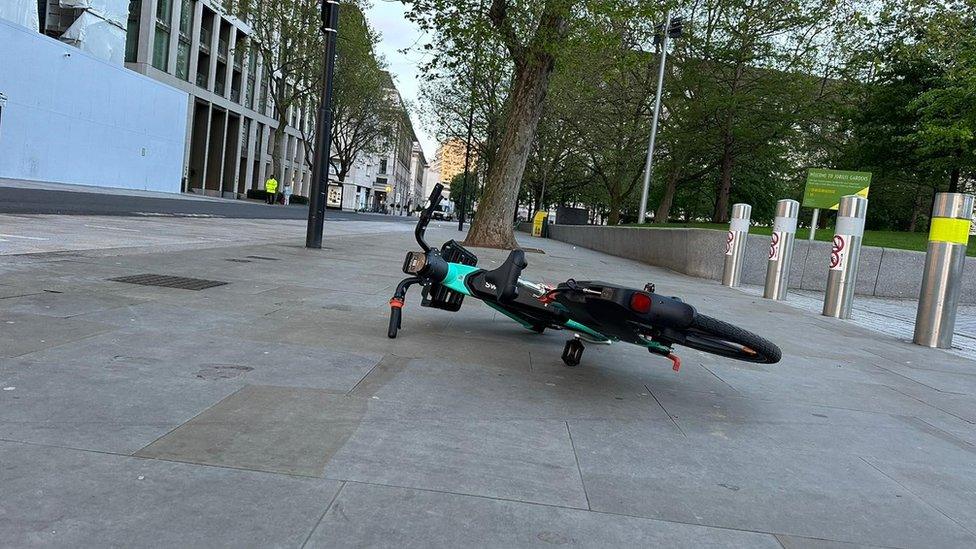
x: 383, y: 166
x: 164, y: 11
x: 186, y: 18
x: 183, y: 60
x: 132, y: 31
x: 161, y: 49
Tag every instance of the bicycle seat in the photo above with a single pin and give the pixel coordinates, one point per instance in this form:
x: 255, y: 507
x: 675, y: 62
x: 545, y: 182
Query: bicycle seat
x: 503, y: 281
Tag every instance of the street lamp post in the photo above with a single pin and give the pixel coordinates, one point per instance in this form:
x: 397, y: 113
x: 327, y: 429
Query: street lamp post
x: 323, y: 147
x: 667, y: 31
x: 467, y: 146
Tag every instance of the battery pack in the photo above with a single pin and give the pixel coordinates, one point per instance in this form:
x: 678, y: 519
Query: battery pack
x: 440, y: 297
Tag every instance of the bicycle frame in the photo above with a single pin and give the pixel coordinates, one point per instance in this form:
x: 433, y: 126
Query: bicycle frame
x: 431, y: 268
x: 457, y: 275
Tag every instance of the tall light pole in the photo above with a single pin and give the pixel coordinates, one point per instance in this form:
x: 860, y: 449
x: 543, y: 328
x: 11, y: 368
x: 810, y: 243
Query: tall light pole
x: 666, y: 31
x: 467, y: 146
x: 323, y: 147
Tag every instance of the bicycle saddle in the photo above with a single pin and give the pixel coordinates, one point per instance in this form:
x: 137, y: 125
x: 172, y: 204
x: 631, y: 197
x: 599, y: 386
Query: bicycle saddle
x: 503, y: 281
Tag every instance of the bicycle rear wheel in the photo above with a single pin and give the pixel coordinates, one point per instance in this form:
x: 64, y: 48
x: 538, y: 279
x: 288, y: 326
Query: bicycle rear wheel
x: 721, y: 338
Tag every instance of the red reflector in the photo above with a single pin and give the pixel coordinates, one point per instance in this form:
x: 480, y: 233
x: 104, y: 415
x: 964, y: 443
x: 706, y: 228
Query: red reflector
x: 640, y: 302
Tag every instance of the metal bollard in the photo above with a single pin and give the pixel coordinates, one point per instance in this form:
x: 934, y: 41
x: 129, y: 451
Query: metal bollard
x: 781, y: 249
x: 735, y: 244
x: 844, y: 254
x: 942, y: 277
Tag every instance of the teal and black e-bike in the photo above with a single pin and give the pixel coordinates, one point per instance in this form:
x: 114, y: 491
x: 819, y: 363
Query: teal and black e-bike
x: 596, y: 312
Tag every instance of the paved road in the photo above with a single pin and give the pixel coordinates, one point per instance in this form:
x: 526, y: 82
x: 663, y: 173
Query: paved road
x: 274, y: 411
x: 18, y: 200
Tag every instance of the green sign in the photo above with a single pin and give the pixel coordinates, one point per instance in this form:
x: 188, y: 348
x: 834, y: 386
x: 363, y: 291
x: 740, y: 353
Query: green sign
x: 825, y: 187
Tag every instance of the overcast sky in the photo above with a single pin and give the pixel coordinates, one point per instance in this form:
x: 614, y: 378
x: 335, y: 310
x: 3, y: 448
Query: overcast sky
x: 398, y: 34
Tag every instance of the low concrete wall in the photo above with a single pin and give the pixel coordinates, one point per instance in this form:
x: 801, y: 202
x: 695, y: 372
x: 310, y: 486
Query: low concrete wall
x: 882, y: 272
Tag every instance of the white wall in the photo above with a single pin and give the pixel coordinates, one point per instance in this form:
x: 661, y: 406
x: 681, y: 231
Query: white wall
x: 76, y: 119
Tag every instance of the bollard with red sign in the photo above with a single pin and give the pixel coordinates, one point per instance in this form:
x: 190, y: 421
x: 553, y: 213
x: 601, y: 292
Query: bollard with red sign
x: 845, y: 248
x: 781, y: 249
x: 735, y: 244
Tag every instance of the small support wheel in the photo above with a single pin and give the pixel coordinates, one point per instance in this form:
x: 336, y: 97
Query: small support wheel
x: 573, y: 352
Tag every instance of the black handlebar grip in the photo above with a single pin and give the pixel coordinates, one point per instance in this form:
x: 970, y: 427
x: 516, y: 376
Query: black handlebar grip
x: 436, y: 195
x: 394, y: 322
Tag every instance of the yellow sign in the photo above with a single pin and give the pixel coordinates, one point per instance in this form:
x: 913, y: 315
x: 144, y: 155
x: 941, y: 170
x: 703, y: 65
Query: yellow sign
x: 389, y: 188
x: 538, y: 222
x: 947, y: 229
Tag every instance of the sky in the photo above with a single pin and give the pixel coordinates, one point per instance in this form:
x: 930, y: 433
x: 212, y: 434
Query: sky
x: 398, y: 34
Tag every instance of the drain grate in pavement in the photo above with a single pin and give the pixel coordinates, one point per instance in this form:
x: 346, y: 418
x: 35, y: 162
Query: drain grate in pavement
x: 239, y: 260
x: 264, y: 258
x: 165, y: 281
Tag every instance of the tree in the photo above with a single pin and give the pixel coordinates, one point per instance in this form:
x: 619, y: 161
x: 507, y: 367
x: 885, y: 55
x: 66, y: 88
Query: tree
x: 468, y: 87
x: 532, y: 34
x: 911, y: 123
x: 288, y: 40
x: 362, y: 111
x: 946, y: 131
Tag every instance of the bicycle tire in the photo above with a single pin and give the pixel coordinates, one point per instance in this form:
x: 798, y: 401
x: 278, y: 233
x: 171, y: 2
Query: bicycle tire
x: 714, y: 336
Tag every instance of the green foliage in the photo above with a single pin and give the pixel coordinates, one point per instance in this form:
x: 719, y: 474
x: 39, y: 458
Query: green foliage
x: 363, y: 117
x: 753, y: 97
x: 470, y: 191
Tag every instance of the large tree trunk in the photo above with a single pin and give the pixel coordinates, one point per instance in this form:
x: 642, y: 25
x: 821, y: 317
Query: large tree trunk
x: 917, y: 206
x: 615, y: 201
x: 955, y: 173
x: 721, y: 213
x: 664, y: 208
x: 277, y: 151
x: 492, y: 228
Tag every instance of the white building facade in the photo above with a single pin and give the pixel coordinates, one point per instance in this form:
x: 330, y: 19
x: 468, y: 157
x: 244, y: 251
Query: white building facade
x: 70, y: 117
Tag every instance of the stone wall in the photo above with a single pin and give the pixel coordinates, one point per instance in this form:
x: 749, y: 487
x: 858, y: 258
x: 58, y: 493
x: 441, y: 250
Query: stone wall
x: 882, y: 272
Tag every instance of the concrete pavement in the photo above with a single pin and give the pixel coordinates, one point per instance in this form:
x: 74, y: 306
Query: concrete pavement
x: 273, y: 411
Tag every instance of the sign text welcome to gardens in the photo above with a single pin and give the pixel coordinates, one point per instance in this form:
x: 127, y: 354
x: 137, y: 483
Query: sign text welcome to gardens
x: 825, y: 187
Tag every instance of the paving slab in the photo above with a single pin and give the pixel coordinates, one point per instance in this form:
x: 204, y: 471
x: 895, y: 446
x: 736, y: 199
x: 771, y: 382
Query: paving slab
x: 950, y: 490
x: 54, y: 497
x: 64, y: 305
x: 122, y: 390
x: 524, y: 460
x: 284, y: 430
x: 455, y: 390
x: 380, y: 516
x: 642, y: 469
x: 25, y: 333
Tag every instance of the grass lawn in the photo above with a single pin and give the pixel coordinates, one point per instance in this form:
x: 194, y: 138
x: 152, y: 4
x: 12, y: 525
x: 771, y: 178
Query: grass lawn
x: 881, y: 239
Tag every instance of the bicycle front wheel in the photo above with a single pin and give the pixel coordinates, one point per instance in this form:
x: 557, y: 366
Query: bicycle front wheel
x: 721, y: 338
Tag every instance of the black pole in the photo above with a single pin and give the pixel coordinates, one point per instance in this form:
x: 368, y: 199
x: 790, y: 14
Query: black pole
x: 467, y: 146
x: 467, y: 161
x: 323, y: 147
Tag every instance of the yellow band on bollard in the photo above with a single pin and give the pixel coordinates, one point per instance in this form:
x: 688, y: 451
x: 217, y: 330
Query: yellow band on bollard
x: 949, y: 229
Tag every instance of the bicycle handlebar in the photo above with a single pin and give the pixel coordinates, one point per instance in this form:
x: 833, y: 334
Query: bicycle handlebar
x: 434, y: 200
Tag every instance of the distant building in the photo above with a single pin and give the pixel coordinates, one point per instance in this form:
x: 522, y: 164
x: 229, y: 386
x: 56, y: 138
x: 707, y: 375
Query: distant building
x: 197, y: 47
x: 418, y: 173
x: 393, y: 188
x: 69, y: 116
x: 450, y: 159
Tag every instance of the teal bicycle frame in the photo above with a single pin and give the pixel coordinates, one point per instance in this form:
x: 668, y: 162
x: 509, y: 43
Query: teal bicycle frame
x: 456, y: 280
